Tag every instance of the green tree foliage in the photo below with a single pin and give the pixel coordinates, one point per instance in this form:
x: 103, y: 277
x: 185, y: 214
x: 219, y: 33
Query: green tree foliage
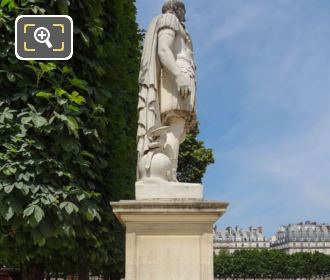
x: 193, y: 158
x: 67, y: 139
x: 223, y: 264
x: 270, y: 264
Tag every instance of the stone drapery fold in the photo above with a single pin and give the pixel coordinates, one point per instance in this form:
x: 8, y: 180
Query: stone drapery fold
x: 149, y: 79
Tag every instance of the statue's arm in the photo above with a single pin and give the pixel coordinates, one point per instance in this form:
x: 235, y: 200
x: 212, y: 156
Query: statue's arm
x: 166, y: 39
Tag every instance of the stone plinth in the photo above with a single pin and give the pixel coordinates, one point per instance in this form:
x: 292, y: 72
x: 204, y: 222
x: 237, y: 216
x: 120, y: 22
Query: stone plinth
x: 169, y: 239
x: 149, y: 189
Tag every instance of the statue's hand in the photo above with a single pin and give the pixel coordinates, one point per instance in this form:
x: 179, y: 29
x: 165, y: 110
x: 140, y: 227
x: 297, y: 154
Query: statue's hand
x: 183, y: 83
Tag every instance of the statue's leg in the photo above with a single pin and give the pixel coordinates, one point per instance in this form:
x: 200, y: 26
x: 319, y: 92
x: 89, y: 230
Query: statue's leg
x: 173, y: 140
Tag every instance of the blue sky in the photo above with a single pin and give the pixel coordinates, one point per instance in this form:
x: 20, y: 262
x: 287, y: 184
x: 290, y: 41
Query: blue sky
x: 263, y: 106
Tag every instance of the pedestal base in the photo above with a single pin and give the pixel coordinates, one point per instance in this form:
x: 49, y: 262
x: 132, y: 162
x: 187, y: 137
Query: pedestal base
x: 169, y: 240
x: 145, y: 190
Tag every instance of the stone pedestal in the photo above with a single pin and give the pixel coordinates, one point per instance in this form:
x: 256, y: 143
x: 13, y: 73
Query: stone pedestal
x: 169, y: 239
x: 145, y: 190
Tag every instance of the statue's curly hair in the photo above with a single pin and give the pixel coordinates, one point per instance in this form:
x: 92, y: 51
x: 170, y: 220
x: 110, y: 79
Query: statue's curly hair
x: 172, y: 6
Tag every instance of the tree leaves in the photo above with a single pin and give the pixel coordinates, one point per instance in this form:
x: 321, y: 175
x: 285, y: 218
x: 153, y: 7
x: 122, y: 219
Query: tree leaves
x: 69, y: 207
x: 34, y: 214
x: 9, y: 214
x: 47, y: 67
x: 79, y: 83
x: 92, y: 214
x: 66, y: 70
x: 76, y: 98
x: 39, y: 121
x: 11, y: 77
x: 67, y: 139
x: 73, y: 124
x: 6, y: 114
x: 8, y: 189
x: 5, y: 2
x: 193, y: 159
x: 10, y: 3
x: 270, y: 264
x: 44, y: 94
x: 38, y: 213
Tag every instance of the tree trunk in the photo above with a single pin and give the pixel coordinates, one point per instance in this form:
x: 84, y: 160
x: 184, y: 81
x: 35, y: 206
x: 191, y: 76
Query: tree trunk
x: 32, y: 272
x: 83, y: 272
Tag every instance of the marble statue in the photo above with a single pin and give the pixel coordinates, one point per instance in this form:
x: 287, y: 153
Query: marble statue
x: 169, y: 225
x: 167, y: 94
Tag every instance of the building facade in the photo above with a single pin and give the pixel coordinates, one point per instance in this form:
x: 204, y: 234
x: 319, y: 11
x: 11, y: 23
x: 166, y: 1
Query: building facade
x: 303, y: 237
x: 232, y: 239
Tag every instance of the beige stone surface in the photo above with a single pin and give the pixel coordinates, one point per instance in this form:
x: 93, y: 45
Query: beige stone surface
x: 167, y: 190
x: 158, y: 257
x: 169, y: 239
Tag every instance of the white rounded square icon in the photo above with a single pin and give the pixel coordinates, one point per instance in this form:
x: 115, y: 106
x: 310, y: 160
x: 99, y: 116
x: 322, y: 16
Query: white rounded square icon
x: 43, y: 37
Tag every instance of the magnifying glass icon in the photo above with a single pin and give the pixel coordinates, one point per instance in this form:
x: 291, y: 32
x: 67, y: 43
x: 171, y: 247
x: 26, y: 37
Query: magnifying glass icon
x: 41, y: 35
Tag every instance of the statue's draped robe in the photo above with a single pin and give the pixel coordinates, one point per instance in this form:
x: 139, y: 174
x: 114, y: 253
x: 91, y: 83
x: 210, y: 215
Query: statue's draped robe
x: 149, y: 79
x: 150, y: 111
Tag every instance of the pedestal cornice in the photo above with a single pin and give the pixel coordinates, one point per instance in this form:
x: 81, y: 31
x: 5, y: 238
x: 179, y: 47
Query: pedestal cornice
x: 168, y: 210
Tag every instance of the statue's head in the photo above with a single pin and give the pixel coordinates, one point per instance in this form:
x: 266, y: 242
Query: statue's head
x: 176, y: 7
